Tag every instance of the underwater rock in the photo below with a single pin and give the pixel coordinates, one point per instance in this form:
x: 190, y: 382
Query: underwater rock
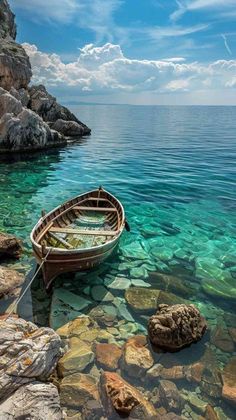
x: 98, y: 293
x: 197, y: 403
x: 210, y: 413
x: 104, y: 314
x: 121, y: 397
x: 159, y: 371
x: 220, y: 288
x: 171, y: 283
x: 77, y: 390
x: 232, y: 332
x: 229, y: 381
x: 177, y: 326
x: 36, y: 400
x: 79, y: 356
x: 10, y: 246
x: 144, y: 300
x: 221, y: 338
x: 140, y: 283
x: 119, y: 283
x: 137, y: 358
x: 170, y: 396
x: 76, y: 302
x: 10, y: 281
x: 124, y: 313
x: 135, y: 251
x: 139, y: 272
x: 27, y: 353
x: 108, y: 355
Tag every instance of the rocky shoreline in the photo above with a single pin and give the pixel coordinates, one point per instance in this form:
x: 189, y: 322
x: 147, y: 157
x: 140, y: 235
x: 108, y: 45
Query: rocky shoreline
x: 30, y: 118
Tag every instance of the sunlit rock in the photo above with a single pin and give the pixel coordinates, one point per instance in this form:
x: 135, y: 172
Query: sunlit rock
x: 175, y: 327
x: 108, y: 355
x: 137, y: 358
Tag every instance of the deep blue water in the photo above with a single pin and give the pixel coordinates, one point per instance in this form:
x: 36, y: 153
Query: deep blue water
x: 174, y: 170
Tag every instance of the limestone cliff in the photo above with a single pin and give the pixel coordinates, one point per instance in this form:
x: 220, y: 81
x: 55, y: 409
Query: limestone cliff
x: 30, y: 118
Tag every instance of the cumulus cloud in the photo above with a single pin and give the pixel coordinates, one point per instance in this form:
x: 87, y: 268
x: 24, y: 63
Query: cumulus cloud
x: 102, y: 70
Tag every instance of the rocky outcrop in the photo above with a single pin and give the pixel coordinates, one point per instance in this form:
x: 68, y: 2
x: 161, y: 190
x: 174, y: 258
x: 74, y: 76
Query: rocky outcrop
x: 10, y: 281
x: 175, y: 327
x: 121, y: 397
x: 48, y: 108
x: 28, y: 353
x: 15, y: 69
x: 10, y: 246
x: 36, y: 400
x: 7, y: 21
x: 30, y: 118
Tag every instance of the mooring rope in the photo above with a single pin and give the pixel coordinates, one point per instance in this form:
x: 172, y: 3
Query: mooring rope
x: 28, y: 286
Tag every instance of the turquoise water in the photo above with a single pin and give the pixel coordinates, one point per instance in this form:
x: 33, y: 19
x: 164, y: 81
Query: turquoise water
x: 173, y: 168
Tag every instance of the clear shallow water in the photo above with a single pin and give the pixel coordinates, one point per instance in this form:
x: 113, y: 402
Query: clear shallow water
x: 173, y: 168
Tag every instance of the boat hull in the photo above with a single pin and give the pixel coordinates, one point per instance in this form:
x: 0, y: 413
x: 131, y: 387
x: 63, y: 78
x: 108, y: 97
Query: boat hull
x: 55, y: 261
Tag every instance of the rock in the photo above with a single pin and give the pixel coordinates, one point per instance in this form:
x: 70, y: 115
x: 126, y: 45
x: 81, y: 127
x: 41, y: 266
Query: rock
x: 32, y: 401
x: 173, y: 284
x: 193, y: 373
x: 175, y: 327
x: 232, y: 332
x: 124, y: 313
x: 139, y: 283
x: 26, y: 131
x: 79, y: 356
x: 68, y: 128
x: 78, y: 389
x: 10, y: 281
x: 137, y: 358
x: 27, y: 353
x: 224, y: 287
x: 170, y: 396
x: 10, y: 246
x: 108, y: 355
x: 98, y: 293
x: 158, y: 371
x: 198, y: 404
x: 146, y: 300
x: 7, y: 21
x: 119, y: 284
x: 9, y: 104
x: 47, y: 107
x: 210, y: 413
x: 221, y: 338
x: 15, y: 69
x: 229, y: 381
x: 104, y: 314
x: 22, y: 95
x: 76, y: 302
x: 121, y: 397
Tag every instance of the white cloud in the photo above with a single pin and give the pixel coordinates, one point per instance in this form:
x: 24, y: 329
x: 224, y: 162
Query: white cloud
x: 195, y: 5
x: 105, y: 70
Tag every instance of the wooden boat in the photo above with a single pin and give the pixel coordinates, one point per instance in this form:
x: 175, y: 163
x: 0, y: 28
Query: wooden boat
x: 79, y: 234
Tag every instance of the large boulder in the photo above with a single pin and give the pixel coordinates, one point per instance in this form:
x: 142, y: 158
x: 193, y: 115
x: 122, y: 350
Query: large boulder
x: 120, y: 397
x: 10, y: 246
x: 177, y: 326
x: 36, y: 400
x: 15, y: 68
x: 7, y: 21
x: 10, y: 281
x: 28, y: 353
x: 9, y: 104
x: 48, y: 108
x: 68, y: 128
x: 26, y: 131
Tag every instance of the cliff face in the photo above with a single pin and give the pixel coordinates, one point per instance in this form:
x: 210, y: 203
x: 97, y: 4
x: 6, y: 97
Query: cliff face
x: 30, y: 118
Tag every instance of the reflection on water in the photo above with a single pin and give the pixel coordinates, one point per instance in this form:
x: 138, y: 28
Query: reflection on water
x: 173, y: 168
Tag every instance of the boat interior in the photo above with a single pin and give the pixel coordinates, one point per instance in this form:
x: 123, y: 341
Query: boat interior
x: 91, y: 222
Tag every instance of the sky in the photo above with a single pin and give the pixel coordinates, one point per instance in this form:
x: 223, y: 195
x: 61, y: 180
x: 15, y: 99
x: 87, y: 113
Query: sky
x: 149, y: 52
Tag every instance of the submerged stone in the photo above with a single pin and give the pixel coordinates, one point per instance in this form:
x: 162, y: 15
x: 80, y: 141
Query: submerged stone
x: 120, y: 397
x: 77, y: 389
x: 72, y: 300
x: 229, y: 381
x: 224, y: 288
x: 119, y: 283
x: 76, y: 359
x: 137, y: 358
x: 176, y: 326
x: 108, y: 355
x: 144, y: 300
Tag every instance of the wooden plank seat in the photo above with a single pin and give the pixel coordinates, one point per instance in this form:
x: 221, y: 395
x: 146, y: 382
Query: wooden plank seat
x: 83, y: 232
x: 101, y: 209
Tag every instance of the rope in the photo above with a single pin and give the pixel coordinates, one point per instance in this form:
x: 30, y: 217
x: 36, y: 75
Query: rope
x: 28, y: 286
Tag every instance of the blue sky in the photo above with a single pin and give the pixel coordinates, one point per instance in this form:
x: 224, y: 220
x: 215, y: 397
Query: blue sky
x: 135, y: 51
